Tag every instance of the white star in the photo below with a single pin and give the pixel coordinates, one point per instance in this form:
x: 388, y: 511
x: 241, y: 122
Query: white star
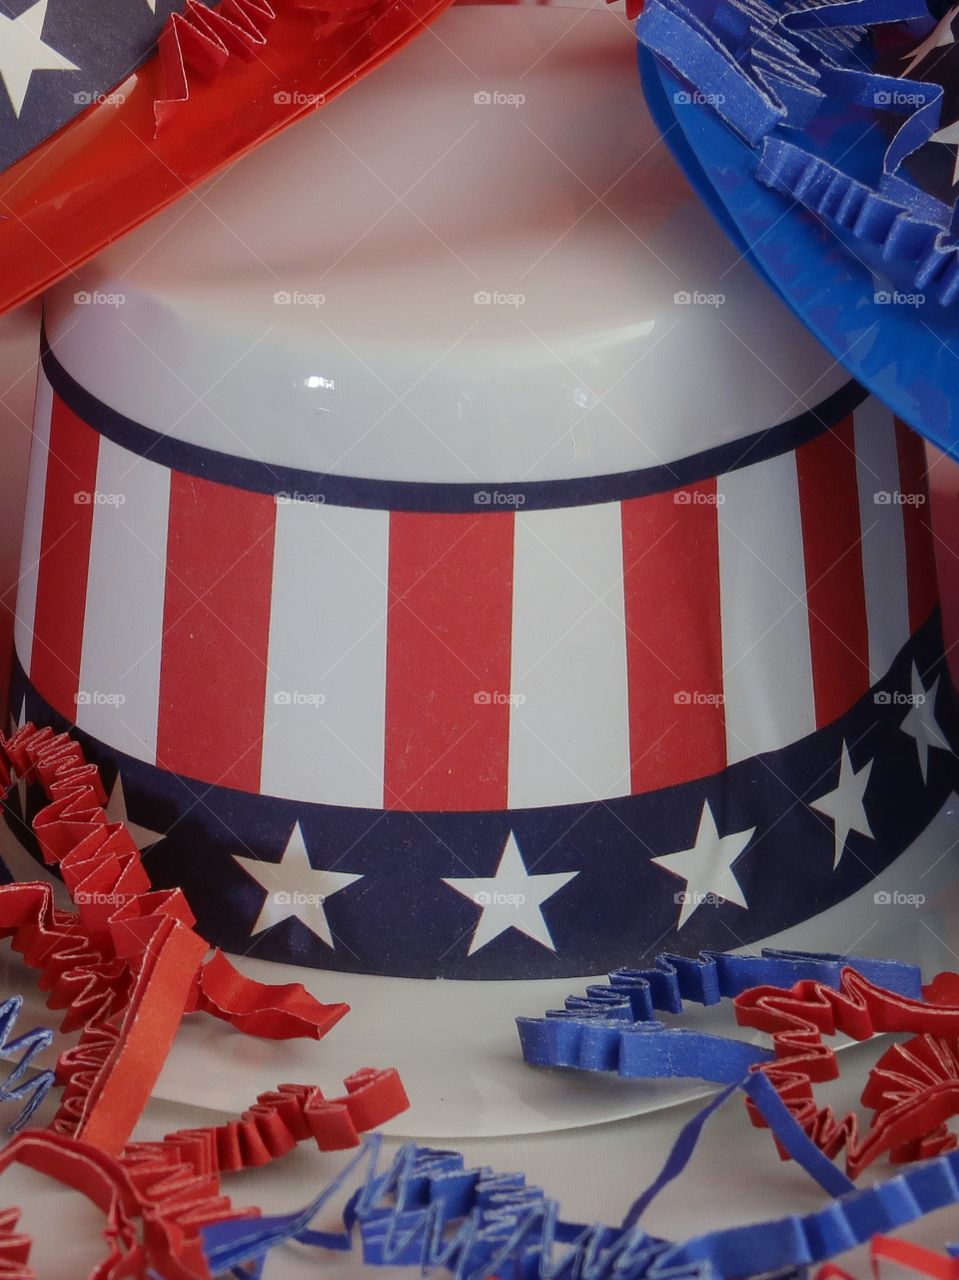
x: 844, y: 804
x: 295, y: 888
x: 511, y: 899
x: 153, y: 5
x: 920, y: 721
x: 940, y: 37
x: 949, y: 137
x: 707, y: 868
x: 23, y: 51
x: 116, y: 811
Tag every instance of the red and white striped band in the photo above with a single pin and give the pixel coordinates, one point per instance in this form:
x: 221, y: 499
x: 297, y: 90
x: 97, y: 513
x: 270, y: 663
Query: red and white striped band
x: 484, y: 660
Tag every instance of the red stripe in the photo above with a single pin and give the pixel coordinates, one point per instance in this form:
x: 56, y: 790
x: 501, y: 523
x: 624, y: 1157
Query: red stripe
x: 920, y: 552
x: 677, y: 725
x: 448, y: 640
x: 835, y: 592
x: 64, y: 559
x: 216, y: 622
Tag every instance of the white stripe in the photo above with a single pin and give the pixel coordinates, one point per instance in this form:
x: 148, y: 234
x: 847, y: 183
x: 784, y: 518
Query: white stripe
x: 326, y: 685
x: 569, y: 727
x: 883, y: 538
x: 119, y: 685
x: 33, y: 524
x: 767, y: 659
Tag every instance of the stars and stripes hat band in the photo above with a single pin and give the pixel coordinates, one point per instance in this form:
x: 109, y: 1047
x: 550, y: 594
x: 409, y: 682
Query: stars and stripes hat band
x: 515, y: 730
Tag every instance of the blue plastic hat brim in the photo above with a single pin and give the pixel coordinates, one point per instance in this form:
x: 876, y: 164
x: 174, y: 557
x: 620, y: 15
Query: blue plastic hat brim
x: 908, y: 356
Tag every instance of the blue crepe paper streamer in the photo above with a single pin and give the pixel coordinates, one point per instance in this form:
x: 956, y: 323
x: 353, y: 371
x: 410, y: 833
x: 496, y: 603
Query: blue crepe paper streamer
x: 768, y: 68
x: 16, y: 1087
x: 429, y: 1210
x: 613, y: 1027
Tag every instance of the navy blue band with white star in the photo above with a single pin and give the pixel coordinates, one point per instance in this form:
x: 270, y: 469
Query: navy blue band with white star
x: 565, y: 891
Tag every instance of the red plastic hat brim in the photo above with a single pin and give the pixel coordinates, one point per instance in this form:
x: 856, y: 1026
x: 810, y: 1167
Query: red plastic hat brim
x: 111, y: 170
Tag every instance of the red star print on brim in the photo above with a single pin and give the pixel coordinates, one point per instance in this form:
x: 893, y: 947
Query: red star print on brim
x: 112, y: 109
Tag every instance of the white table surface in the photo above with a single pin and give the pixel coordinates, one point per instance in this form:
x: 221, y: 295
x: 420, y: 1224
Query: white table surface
x: 595, y: 1173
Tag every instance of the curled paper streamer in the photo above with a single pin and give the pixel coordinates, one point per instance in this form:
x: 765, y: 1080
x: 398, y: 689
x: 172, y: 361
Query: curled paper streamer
x: 787, y: 76
x: 429, y: 1210
x: 128, y: 965
x: 18, y: 1085
x: 202, y: 40
x: 600, y: 1030
x: 904, y: 1255
x: 159, y: 1197
x: 295, y: 1113
x: 912, y: 1090
x: 159, y: 1200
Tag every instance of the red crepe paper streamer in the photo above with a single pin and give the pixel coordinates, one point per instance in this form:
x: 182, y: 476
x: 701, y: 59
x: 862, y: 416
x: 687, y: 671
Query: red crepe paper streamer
x: 913, y: 1088
x: 126, y: 966
x: 202, y: 40
x: 899, y: 1253
x: 296, y: 1113
x: 157, y: 1196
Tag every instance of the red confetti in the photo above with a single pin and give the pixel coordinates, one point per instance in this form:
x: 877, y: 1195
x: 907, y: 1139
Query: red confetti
x: 126, y: 966
x: 912, y: 1089
x: 903, y: 1254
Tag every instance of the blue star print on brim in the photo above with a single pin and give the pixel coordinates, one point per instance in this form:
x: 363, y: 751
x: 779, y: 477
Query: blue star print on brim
x: 825, y: 140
